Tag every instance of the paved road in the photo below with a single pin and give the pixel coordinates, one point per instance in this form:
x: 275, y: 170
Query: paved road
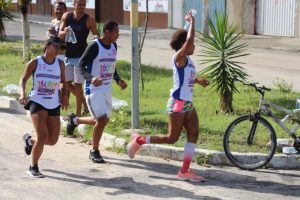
x: 270, y: 57
x: 69, y: 174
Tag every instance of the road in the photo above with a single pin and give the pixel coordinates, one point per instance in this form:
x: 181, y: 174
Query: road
x: 269, y: 58
x: 70, y: 175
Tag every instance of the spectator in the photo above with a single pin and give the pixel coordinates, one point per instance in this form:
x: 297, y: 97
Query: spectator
x: 81, y: 23
x: 59, y: 9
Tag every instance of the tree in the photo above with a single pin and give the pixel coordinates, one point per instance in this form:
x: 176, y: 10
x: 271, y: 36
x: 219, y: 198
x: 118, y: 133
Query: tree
x: 23, y: 4
x: 141, y: 43
x: 220, y: 49
x: 4, y: 15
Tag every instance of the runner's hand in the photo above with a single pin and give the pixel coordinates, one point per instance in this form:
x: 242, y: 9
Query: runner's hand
x: 23, y: 100
x: 122, y: 84
x: 96, y: 81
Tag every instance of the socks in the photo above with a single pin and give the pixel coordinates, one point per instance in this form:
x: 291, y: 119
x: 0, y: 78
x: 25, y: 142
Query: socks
x: 189, y: 150
x: 143, y: 140
x: 75, y: 120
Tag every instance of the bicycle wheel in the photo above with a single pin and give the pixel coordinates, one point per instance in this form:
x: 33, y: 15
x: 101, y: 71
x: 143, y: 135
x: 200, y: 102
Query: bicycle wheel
x: 249, y: 142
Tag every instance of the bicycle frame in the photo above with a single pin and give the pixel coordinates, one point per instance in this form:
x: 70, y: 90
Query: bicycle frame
x: 264, y: 106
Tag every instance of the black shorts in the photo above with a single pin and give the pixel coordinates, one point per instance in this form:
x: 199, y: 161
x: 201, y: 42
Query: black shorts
x: 35, y: 107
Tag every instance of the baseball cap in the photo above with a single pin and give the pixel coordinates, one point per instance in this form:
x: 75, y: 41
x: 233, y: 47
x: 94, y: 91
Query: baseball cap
x: 56, y: 41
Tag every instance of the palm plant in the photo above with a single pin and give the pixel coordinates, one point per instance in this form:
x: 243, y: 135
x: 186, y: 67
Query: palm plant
x: 4, y: 16
x: 220, y: 49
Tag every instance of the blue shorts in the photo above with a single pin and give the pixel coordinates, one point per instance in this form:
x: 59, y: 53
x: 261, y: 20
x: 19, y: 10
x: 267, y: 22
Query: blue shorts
x: 72, y: 72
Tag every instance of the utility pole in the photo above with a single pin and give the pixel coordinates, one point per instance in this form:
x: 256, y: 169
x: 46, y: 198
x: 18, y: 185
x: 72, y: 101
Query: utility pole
x: 134, y: 64
x: 205, y: 13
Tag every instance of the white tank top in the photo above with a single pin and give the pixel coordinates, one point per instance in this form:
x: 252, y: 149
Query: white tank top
x: 183, y: 80
x: 103, y: 66
x: 46, y: 80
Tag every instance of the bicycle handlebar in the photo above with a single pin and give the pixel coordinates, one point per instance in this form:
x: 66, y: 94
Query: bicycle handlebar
x: 260, y: 89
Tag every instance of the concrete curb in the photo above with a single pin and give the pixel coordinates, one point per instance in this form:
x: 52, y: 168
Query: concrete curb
x: 203, y: 156
x: 12, y: 104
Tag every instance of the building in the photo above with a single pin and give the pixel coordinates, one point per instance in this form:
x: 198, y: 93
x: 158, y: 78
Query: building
x: 263, y: 17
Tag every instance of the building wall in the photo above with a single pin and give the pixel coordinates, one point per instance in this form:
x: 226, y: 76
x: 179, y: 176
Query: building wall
x: 155, y: 20
x: 243, y: 14
x: 297, y: 20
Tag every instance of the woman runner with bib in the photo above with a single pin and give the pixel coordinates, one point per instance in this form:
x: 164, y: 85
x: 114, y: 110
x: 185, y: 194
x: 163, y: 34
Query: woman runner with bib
x: 182, y: 114
x: 46, y: 97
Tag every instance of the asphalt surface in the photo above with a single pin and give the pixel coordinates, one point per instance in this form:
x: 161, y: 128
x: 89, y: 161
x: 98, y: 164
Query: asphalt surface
x: 70, y: 175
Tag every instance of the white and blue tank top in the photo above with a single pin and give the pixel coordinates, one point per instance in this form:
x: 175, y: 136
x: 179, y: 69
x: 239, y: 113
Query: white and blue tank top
x: 46, y: 80
x: 183, y: 80
x: 103, y: 67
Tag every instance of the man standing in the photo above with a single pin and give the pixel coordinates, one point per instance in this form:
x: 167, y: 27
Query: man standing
x: 81, y: 23
x: 59, y: 9
x: 98, y: 67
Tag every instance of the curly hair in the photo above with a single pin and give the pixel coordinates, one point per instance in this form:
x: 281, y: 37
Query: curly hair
x: 178, y: 39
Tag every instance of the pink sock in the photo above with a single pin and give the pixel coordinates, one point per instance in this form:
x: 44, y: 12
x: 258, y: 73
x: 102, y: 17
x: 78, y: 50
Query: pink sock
x: 141, y: 140
x: 186, y: 164
x: 189, y: 150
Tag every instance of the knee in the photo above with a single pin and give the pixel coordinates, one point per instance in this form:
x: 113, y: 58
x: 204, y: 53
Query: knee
x: 102, y: 121
x: 52, y: 141
x: 193, y: 136
x: 41, y: 139
x: 78, y: 86
x: 171, y: 139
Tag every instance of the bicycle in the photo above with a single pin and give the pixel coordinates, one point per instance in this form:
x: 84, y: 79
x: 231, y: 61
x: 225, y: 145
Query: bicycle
x: 252, y: 133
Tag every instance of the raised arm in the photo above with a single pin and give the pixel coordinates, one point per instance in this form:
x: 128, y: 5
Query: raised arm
x: 63, y: 24
x: 180, y: 56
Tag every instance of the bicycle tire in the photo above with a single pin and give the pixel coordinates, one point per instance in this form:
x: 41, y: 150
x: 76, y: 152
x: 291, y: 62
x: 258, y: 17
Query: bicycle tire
x: 237, y: 141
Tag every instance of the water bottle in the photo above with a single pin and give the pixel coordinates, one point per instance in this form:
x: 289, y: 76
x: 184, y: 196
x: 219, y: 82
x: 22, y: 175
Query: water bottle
x: 193, y: 12
x: 71, y: 37
x: 298, y: 102
x: 289, y: 150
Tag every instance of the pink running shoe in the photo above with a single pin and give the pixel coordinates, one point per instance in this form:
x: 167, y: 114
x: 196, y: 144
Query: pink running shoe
x: 133, y: 146
x: 190, y: 176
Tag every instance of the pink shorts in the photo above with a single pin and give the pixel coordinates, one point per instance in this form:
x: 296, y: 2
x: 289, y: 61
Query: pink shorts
x: 179, y: 106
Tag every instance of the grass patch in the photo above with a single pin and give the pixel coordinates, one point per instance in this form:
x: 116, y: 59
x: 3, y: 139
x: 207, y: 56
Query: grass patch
x: 153, y: 100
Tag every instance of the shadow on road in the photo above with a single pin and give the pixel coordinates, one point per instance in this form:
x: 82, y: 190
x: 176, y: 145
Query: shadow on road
x: 10, y: 111
x: 221, y: 178
x: 127, y: 185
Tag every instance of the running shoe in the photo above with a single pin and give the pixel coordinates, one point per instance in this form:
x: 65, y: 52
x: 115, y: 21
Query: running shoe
x: 27, y: 144
x: 96, y: 157
x: 133, y: 146
x: 34, y: 172
x: 190, y: 176
x: 71, y: 125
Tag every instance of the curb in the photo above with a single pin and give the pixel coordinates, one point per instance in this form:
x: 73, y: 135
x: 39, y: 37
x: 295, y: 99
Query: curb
x: 203, y: 156
x: 12, y: 104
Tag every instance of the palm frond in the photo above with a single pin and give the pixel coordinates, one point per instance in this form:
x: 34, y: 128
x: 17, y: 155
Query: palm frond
x: 220, y: 49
